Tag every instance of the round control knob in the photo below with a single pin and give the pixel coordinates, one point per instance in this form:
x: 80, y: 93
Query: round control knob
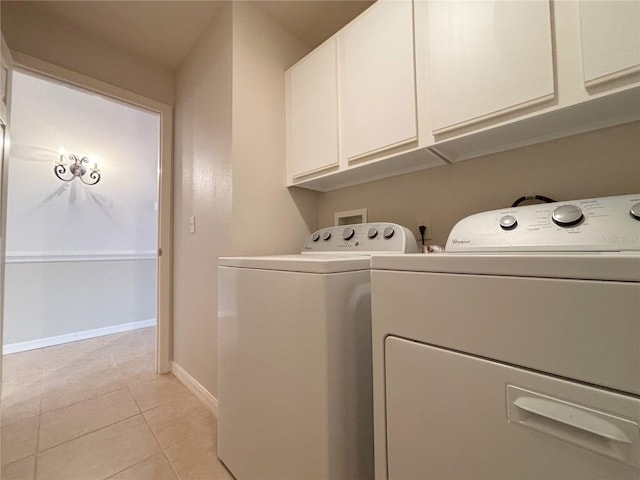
x: 566, y: 215
x: 348, y: 233
x: 315, y: 237
x: 326, y: 236
x: 635, y: 211
x: 388, y: 232
x: 508, y: 222
x: 372, y: 233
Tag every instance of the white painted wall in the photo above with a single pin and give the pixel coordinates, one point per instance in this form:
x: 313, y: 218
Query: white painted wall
x: 79, y: 257
x: 44, y: 300
x: 48, y: 215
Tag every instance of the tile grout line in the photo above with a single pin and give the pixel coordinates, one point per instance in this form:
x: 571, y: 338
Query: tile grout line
x: 121, y: 387
x: 98, y: 429
x: 91, y: 432
x: 37, y: 417
x: 129, y: 466
x: 134, y: 399
x: 66, y: 367
x: 4, y: 425
x: 35, y: 465
x: 175, y: 471
x: 140, y: 412
x: 35, y: 453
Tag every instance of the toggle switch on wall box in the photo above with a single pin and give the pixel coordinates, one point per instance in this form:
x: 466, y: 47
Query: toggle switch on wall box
x: 192, y: 224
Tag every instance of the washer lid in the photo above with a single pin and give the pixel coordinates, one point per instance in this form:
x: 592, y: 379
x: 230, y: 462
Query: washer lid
x: 305, y: 263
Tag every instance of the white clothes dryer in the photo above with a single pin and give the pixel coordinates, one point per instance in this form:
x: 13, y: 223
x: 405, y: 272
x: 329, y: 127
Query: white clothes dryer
x: 516, y: 354
x: 294, y: 357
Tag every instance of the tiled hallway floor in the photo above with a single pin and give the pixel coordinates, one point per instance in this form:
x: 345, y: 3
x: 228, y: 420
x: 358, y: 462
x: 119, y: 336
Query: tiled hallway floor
x: 95, y: 409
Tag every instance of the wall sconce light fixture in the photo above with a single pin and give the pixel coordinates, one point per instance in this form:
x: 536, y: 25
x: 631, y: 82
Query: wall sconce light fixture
x: 76, y: 169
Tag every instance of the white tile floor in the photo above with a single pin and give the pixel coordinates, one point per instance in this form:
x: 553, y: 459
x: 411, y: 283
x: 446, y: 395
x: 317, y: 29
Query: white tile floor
x: 95, y: 410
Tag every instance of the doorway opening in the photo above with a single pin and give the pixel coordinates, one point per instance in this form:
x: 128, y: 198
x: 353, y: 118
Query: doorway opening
x: 107, y: 92
x: 72, y: 378
x: 81, y: 248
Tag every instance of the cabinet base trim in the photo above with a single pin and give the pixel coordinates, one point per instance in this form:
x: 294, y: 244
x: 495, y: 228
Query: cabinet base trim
x: 392, y: 148
x: 315, y: 171
x: 601, y: 112
x: 515, y: 109
x: 628, y: 73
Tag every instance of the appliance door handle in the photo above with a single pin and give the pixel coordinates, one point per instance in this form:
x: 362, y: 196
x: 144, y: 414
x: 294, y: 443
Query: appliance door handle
x: 586, y: 427
x: 574, y: 417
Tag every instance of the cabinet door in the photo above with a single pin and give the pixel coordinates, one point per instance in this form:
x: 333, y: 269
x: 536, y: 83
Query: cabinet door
x: 487, y: 58
x: 312, y: 119
x: 377, y: 80
x: 610, y: 40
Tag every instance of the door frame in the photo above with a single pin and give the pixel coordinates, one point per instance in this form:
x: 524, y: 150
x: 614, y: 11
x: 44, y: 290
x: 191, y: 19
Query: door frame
x: 164, y: 308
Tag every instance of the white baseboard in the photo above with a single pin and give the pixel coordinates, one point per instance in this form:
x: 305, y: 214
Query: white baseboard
x: 195, y: 387
x: 74, y: 337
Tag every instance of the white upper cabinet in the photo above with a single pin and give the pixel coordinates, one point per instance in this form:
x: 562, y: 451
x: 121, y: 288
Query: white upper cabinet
x: 411, y: 85
x: 312, y: 112
x: 487, y: 58
x: 610, y: 33
x: 377, y: 81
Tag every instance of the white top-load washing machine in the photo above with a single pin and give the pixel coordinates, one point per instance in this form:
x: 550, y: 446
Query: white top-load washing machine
x: 294, y: 357
x: 515, y: 355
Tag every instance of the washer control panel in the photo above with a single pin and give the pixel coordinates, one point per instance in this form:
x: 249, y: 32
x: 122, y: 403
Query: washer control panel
x: 362, y: 238
x: 605, y: 224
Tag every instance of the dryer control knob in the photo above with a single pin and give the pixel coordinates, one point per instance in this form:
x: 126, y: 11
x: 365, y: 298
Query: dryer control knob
x: 635, y: 211
x: 508, y: 222
x: 372, y: 233
x: 326, y: 236
x: 388, y: 232
x: 315, y: 237
x: 566, y: 215
x: 348, y: 233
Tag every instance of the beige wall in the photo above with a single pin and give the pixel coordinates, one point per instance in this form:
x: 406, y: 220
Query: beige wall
x: 26, y: 31
x: 267, y: 218
x: 230, y: 170
x: 202, y: 187
x: 601, y: 163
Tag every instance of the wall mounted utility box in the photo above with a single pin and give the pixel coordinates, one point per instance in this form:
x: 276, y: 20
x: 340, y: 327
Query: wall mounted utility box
x: 350, y: 217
